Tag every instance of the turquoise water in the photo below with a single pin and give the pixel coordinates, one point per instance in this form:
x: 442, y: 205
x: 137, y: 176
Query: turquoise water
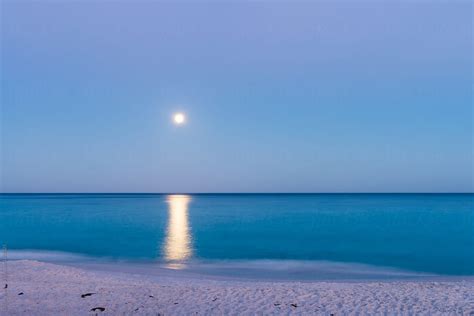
x: 429, y: 233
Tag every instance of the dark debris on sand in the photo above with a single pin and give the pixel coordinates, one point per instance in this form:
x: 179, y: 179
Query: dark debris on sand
x: 87, y: 294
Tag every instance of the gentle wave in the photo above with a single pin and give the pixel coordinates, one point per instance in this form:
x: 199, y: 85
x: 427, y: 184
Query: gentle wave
x: 45, y: 255
x: 299, y: 270
x: 240, y: 269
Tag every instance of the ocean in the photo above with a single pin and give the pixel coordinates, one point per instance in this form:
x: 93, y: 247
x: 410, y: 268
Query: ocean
x: 295, y: 235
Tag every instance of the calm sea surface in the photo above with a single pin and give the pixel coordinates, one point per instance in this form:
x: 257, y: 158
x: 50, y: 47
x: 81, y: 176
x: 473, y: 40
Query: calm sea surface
x: 426, y: 233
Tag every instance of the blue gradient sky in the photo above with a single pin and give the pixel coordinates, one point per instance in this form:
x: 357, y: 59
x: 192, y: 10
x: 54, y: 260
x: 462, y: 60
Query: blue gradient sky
x: 323, y: 97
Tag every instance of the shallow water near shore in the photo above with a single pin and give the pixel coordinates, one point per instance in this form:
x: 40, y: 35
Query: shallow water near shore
x: 251, y: 270
x: 283, y: 236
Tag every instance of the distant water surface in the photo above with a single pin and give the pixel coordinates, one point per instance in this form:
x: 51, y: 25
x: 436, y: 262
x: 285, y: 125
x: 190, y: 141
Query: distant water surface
x: 422, y: 233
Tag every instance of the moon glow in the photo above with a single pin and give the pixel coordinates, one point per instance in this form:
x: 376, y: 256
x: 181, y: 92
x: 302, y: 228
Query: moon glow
x: 179, y: 118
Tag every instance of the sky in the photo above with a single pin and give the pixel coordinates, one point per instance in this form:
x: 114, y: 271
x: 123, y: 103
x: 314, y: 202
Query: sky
x: 279, y: 96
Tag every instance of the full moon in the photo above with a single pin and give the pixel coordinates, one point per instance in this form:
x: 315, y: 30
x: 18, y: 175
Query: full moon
x: 179, y: 118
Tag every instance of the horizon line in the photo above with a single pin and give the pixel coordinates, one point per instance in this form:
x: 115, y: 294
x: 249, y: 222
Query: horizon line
x: 228, y: 193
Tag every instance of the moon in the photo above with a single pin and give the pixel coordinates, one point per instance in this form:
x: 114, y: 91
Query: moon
x: 179, y: 118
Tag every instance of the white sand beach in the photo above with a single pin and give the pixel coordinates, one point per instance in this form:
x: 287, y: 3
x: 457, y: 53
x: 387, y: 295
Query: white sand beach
x: 38, y: 288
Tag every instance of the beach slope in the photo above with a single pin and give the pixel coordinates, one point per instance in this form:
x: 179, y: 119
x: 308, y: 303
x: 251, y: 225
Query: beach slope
x: 37, y: 288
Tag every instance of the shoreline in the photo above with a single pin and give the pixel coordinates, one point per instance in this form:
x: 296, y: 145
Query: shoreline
x: 157, y: 270
x: 254, y: 270
x: 48, y: 288
x: 264, y: 270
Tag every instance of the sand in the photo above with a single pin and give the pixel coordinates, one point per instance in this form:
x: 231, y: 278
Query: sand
x: 38, y: 288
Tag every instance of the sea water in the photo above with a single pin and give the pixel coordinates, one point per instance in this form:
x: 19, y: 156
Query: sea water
x: 307, y: 234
